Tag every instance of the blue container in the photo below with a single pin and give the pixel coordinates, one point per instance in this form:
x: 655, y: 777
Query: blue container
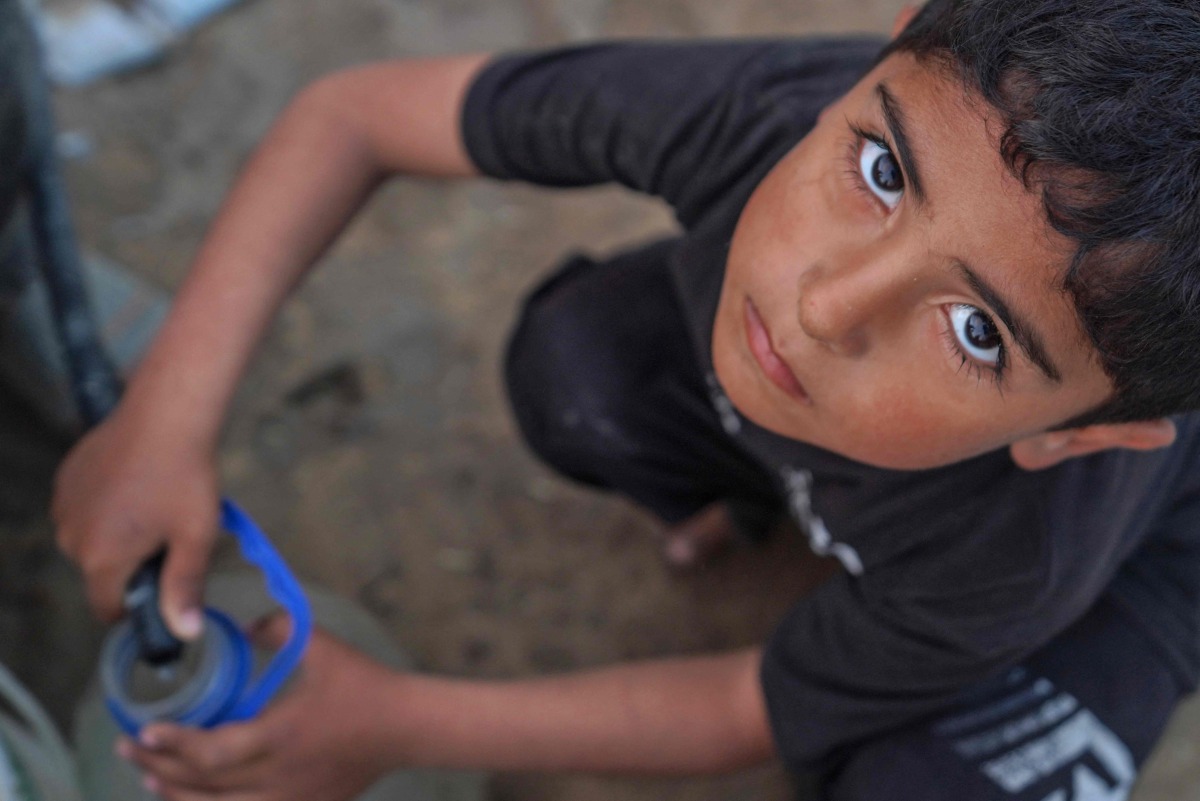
x: 212, y: 683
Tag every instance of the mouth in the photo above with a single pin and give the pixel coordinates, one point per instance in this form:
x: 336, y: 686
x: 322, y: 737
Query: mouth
x: 773, y: 367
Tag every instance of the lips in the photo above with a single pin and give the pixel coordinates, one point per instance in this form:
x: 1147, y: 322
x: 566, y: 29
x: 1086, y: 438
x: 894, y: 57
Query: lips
x: 773, y: 367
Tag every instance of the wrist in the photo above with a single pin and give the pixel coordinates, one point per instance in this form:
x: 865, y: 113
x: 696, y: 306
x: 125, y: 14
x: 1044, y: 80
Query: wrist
x: 172, y: 407
x: 163, y: 425
x: 379, y: 737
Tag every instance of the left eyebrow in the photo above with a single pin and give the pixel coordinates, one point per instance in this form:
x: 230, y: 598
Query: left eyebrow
x: 1027, y: 338
x: 894, y: 117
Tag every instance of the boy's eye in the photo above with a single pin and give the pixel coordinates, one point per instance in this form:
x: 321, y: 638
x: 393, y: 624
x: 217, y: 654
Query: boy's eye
x: 881, y: 173
x: 976, y: 332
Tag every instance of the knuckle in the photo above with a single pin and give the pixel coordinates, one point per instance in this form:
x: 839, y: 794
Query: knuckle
x: 94, y: 563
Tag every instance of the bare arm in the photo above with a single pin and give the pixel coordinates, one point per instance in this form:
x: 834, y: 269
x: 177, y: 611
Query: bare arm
x: 146, y: 477
x: 684, y: 716
x: 349, y: 720
x: 337, y: 141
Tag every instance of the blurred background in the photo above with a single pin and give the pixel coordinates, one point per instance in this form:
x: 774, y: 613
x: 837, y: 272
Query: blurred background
x: 371, y: 438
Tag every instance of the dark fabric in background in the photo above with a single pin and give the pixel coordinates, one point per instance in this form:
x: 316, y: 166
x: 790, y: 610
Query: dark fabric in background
x: 19, y: 65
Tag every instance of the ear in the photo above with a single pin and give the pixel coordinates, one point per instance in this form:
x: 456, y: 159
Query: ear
x: 903, y: 18
x: 1051, y: 447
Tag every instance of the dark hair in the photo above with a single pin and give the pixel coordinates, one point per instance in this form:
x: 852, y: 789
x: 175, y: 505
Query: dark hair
x: 1101, y: 103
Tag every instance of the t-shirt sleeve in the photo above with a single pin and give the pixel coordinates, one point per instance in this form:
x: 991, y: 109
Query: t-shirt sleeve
x: 681, y: 121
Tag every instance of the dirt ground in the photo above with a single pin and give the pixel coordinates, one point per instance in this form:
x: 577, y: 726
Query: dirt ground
x: 371, y: 438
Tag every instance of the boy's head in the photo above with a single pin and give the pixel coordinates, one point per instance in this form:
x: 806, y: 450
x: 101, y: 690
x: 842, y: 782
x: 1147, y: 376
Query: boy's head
x: 1014, y: 190
x: 1100, y: 103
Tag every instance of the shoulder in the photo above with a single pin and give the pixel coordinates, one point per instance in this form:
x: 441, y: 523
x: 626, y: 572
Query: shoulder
x: 697, y: 67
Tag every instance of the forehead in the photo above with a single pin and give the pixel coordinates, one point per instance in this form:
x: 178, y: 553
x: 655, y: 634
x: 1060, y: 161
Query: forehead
x: 975, y: 209
x: 972, y: 194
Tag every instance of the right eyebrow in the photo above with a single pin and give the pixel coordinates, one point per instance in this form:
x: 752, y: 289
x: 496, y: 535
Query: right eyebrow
x: 893, y: 115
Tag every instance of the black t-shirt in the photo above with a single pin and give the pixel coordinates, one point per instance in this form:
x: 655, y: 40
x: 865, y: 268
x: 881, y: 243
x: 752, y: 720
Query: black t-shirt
x: 952, y: 574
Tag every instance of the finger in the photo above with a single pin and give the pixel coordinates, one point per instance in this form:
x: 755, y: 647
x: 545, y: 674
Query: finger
x: 221, y: 759
x: 168, y: 769
x: 105, y: 583
x: 320, y: 652
x: 272, y: 631
x: 223, y: 748
x: 169, y: 792
x: 60, y: 498
x: 160, y: 768
x: 182, y: 583
x: 164, y: 768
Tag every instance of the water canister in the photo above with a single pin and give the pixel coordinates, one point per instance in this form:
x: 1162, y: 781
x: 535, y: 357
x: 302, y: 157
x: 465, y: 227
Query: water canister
x: 35, y: 763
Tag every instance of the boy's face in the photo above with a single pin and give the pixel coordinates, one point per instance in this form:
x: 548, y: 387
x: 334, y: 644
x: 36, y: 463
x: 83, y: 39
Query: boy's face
x: 893, y: 292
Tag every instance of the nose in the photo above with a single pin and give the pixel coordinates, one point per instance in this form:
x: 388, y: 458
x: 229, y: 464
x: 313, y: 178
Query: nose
x: 846, y: 301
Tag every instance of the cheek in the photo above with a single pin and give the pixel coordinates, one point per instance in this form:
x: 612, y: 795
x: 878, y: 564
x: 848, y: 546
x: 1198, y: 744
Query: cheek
x: 788, y: 206
x: 894, y: 420
x: 885, y: 416
x: 901, y: 432
x: 790, y: 219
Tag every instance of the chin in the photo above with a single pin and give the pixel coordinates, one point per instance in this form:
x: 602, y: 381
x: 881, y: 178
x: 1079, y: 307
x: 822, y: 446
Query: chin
x: 739, y: 380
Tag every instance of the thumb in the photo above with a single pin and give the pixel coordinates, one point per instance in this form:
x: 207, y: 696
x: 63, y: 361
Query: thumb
x: 272, y: 631
x: 183, y: 586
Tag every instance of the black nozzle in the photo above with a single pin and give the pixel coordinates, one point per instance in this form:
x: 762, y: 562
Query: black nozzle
x: 157, y: 646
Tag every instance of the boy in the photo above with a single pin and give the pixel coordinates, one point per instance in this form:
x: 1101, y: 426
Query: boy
x: 939, y: 312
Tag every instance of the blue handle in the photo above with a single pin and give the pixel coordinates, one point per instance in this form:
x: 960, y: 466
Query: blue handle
x: 284, y: 588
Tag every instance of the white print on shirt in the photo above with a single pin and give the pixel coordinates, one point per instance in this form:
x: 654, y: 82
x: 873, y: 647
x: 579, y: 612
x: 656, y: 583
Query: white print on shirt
x: 1048, y: 714
x: 720, y: 401
x: 799, y: 485
x: 799, y: 490
x: 1065, y: 735
x: 1081, y: 734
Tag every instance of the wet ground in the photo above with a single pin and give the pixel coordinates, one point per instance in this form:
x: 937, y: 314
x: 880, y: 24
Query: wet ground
x: 371, y: 437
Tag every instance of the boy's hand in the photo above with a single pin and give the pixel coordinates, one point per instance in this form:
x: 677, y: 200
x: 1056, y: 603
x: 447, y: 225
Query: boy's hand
x: 318, y: 741
x: 124, y: 492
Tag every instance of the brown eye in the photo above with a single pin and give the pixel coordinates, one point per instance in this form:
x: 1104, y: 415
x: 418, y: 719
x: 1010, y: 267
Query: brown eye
x: 977, y: 333
x: 886, y: 173
x: 881, y: 173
